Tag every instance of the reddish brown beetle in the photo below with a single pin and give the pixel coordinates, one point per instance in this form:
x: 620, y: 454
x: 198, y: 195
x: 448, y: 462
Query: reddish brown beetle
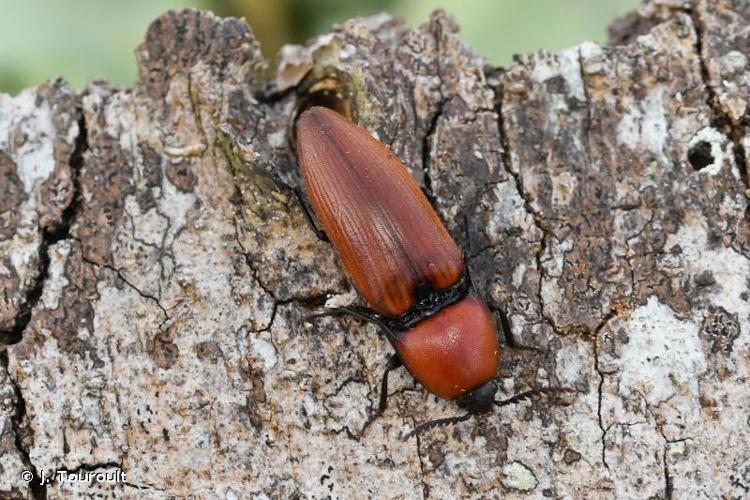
x: 402, y: 260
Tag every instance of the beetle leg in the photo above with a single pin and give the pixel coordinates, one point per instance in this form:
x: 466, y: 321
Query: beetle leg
x: 427, y: 192
x: 507, y: 329
x: 360, y: 313
x: 322, y: 236
x: 357, y: 311
x: 393, y: 362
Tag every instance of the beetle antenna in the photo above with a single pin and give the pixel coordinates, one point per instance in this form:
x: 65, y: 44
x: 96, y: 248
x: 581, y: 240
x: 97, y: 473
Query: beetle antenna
x: 438, y: 423
x: 529, y: 394
x: 512, y: 400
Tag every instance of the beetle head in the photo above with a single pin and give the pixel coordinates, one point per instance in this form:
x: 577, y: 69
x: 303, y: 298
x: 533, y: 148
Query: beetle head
x: 480, y: 400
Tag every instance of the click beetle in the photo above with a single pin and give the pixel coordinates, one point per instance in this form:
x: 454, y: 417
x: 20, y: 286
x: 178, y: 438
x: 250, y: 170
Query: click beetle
x: 402, y: 260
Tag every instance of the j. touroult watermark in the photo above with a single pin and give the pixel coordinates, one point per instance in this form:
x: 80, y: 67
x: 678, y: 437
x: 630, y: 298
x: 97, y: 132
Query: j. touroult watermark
x: 74, y: 476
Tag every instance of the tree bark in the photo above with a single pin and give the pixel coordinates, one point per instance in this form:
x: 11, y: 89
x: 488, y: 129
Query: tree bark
x: 157, y: 283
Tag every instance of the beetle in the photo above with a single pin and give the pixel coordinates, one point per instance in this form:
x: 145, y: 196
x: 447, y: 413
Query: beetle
x: 402, y: 260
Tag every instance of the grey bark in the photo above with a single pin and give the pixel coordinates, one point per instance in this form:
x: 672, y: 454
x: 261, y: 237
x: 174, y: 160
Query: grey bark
x: 156, y: 283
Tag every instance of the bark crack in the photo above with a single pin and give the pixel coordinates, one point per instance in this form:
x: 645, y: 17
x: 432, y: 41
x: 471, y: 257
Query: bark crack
x: 148, y: 486
x: 537, y: 217
x: 436, y: 33
x: 600, y: 399
x: 600, y: 388
x: 140, y: 292
x: 51, y: 236
x: 721, y: 119
x: 426, y: 150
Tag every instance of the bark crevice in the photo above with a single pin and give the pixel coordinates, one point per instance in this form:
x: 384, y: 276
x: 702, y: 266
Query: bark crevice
x: 50, y: 236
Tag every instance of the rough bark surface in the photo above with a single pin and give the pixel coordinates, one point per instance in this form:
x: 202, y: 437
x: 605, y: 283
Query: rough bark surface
x: 157, y: 283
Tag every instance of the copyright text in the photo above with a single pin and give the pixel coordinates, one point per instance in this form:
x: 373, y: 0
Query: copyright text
x: 76, y: 476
